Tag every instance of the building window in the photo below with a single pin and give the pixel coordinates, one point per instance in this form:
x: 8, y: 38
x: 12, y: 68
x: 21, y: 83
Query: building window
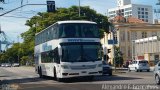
x: 146, y: 9
x: 142, y: 16
x: 139, y: 16
x: 142, y: 9
x: 122, y: 36
x: 134, y: 35
x: 139, y: 12
x: 146, y: 13
x: 127, y: 9
x: 139, y: 9
x: 129, y: 52
x: 128, y: 36
x: 147, y: 16
x: 142, y: 12
x: 122, y: 10
x: 144, y: 34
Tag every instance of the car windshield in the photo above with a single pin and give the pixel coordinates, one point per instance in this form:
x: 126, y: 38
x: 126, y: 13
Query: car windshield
x: 81, y: 53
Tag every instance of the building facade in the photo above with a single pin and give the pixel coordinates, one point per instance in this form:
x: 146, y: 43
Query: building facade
x: 126, y: 34
x: 147, y: 48
x: 127, y: 9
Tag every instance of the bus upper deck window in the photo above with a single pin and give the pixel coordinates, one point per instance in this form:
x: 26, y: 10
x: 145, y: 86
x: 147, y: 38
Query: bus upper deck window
x: 69, y: 31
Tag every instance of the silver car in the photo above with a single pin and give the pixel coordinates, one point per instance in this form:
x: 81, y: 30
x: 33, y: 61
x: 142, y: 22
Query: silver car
x: 157, y: 73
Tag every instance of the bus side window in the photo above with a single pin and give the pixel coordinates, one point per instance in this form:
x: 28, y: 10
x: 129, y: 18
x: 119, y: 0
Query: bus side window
x: 56, y: 56
x: 56, y: 31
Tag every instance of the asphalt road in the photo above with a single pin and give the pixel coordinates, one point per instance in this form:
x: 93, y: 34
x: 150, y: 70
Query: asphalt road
x: 24, y: 78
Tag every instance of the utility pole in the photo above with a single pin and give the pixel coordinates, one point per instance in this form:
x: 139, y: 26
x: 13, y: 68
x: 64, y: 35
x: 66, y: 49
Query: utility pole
x: 18, y: 48
x: 21, y: 2
x: 79, y: 8
x: 113, y: 31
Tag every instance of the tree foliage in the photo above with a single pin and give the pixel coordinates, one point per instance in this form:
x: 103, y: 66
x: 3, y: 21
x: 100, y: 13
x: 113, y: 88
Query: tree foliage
x: 42, y: 20
x: 118, y: 56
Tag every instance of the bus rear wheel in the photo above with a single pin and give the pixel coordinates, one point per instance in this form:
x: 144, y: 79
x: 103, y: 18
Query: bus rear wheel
x: 55, y: 75
x: 40, y: 72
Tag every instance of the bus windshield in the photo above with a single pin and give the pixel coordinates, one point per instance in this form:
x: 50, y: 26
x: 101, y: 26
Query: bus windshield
x: 81, y: 53
x: 78, y: 30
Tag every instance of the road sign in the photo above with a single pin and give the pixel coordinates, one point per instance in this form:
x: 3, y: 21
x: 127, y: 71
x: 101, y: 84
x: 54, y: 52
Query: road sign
x: 50, y: 6
x: 112, y: 41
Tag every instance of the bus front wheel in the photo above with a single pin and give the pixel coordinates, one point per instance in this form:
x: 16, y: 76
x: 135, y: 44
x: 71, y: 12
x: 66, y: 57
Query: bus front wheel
x: 55, y: 76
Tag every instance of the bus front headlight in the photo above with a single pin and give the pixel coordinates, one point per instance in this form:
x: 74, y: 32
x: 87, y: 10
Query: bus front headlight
x: 65, y: 67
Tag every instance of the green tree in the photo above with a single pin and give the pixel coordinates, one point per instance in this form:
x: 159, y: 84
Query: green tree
x: 26, y: 60
x: 42, y: 20
x: 118, y: 56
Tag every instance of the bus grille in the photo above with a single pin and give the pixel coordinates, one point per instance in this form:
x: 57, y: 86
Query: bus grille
x: 83, y: 67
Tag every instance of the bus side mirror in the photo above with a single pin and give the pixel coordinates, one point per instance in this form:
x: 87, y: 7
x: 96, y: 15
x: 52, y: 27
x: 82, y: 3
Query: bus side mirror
x: 60, y: 50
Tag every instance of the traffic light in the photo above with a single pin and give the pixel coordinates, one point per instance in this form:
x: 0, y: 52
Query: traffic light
x: 109, y: 50
x: 2, y: 1
x: 50, y: 6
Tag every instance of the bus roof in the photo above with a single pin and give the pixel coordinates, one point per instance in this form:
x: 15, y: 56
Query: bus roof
x: 75, y: 21
x: 68, y: 21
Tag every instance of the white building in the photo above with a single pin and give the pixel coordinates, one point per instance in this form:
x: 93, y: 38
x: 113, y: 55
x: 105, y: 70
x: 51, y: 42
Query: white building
x: 127, y: 9
x: 147, y: 48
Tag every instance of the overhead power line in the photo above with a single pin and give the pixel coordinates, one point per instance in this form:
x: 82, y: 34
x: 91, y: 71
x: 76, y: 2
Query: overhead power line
x: 17, y: 17
x: 19, y: 8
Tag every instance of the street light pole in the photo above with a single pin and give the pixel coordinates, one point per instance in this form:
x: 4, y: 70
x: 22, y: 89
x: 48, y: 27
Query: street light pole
x: 79, y: 9
x: 18, y: 49
x: 113, y: 33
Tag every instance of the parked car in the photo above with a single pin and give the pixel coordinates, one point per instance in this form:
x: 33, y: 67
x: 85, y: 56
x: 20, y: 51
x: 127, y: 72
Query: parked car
x: 3, y: 65
x: 107, y: 69
x: 157, y: 73
x: 15, y: 65
x: 139, y: 65
x: 8, y: 65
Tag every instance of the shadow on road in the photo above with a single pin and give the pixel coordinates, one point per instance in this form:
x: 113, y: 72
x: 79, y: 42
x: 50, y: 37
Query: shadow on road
x: 72, y: 80
x: 23, y: 80
x: 100, y: 78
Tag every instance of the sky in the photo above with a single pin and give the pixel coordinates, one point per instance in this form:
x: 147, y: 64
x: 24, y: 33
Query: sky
x: 13, y: 24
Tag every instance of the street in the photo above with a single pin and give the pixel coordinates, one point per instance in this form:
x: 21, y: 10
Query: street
x: 25, y: 78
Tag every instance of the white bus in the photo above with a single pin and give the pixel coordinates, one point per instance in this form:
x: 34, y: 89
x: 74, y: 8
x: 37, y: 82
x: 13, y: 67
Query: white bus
x: 68, y: 49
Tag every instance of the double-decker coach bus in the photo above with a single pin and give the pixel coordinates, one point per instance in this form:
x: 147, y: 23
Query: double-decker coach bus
x: 68, y: 49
